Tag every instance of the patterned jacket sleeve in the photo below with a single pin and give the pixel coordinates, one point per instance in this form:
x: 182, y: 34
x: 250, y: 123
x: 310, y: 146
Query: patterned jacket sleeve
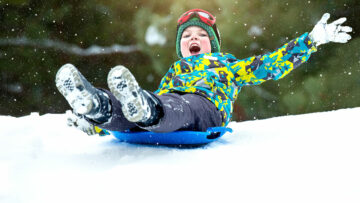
x: 166, y: 79
x: 273, y: 65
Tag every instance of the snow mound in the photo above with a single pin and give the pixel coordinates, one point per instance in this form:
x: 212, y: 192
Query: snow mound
x: 305, y: 158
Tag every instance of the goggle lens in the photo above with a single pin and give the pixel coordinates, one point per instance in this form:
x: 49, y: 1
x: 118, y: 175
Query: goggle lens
x: 203, y: 16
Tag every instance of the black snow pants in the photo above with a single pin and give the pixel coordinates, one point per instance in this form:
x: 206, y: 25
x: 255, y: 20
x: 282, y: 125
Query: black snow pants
x: 181, y: 112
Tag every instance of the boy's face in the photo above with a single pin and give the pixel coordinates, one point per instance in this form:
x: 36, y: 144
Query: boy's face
x: 194, y: 41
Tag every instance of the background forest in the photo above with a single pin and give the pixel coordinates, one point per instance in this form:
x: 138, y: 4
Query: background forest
x: 38, y: 36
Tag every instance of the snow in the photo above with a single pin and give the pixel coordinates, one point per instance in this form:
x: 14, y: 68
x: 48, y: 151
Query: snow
x: 68, y: 48
x: 255, y: 31
x: 154, y: 37
x: 304, y: 158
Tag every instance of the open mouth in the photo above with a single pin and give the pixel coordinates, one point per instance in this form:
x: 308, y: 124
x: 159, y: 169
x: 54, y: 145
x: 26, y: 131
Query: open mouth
x: 194, y: 49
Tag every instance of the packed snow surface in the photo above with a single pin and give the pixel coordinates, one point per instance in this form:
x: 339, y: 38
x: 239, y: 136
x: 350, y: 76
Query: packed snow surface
x: 305, y: 158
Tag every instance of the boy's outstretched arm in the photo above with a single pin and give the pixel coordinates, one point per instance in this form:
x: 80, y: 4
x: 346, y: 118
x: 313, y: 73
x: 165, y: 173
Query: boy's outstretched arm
x: 333, y: 32
x: 277, y: 64
x: 273, y: 65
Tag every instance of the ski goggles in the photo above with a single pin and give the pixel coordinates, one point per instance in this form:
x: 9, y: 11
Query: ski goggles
x: 204, y: 16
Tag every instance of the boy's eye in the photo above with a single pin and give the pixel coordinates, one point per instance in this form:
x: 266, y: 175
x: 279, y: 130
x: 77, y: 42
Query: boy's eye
x: 203, y: 35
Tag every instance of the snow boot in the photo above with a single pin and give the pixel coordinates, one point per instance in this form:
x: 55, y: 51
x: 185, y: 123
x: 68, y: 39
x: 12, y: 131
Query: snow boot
x: 83, y: 98
x: 137, y: 105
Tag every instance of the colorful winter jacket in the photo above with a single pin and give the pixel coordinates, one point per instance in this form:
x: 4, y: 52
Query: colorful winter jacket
x: 220, y: 76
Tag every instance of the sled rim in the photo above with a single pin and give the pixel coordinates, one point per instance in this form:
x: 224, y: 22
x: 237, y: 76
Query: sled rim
x: 172, y: 138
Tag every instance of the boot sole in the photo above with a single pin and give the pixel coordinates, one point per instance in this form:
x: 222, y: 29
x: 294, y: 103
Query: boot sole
x: 126, y: 89
x: 69, y: 83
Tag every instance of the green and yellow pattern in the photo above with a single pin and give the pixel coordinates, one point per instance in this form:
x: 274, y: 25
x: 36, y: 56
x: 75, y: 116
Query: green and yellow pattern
x: 220, y: 76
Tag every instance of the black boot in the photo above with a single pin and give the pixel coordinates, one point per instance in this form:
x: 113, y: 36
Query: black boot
x: 83, y: 98
x: 137, y: 105
x: 157, y: 111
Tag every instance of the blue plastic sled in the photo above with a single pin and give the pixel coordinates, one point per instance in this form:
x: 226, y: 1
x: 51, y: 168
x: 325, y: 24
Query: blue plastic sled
x: 172, y: 138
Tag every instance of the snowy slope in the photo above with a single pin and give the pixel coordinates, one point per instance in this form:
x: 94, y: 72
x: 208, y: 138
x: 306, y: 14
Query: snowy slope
x: 305, y: 158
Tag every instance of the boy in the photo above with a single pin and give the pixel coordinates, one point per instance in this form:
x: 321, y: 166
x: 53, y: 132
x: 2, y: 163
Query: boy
x: 198, y: 91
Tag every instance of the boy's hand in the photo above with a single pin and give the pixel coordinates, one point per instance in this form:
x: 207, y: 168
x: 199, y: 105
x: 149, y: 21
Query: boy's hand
x: 80, y: 123
x: 333, y: 32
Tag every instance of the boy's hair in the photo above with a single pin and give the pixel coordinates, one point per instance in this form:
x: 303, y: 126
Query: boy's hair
x: 194, y: 20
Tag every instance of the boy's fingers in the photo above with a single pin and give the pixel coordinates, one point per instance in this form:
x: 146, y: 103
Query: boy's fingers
x: 339, y: 21
x: 346, y: 29
x: 342, y: 38
x: 324, y: 18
